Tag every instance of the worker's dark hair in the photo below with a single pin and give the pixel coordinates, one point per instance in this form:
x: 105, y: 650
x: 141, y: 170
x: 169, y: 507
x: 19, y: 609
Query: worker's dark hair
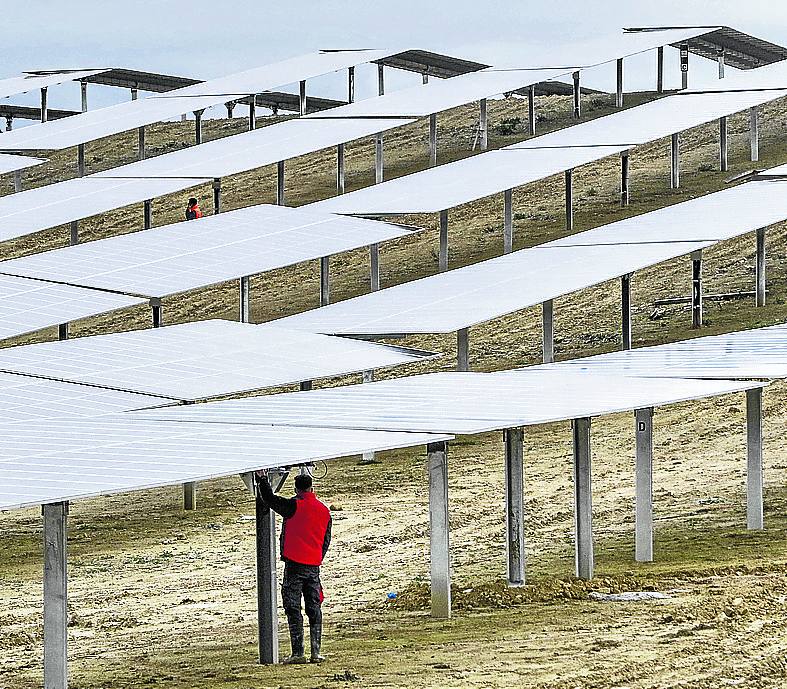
x: 303, y: 482
x: 193, y: 201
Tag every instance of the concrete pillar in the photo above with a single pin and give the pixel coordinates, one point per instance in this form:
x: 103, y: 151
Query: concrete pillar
x: 351, y: 84
x: 625, y: 311
x: 374, y: 267
x: 190, y: 496
x: 508, y: 221
x: 754, y: 480
x: 367, y: 377
x: 141, y: 143
x: 147, y: 214
x: 81, y: 159
x: 721, y: 63
x: 253, y: 112
x: 569, y: 200
x: 583, y: 500
x: 660, y: 70
x: 483, y: 124
x: 723, y: 146
x: 380, y: 80
x: 759, y: 268
x: 17, y: 181
x: 267, y: 596
x: 244, y: 297
x: 619, y: 89
x: 198, y: 126
x: 280, y: 183
x: 216, y: 185
x: 83, y: 89
x: 442, y: 260
x: 643, y: 512
x: 675, y: 161
x: 577, y: 99
x: 515, y: 507
x: 696, y: 288
x: 340, y: 169
x: 44, y: 109
x: 531, y: 110
x: 433, y: 139
x: 378, y: 158
x: 302, y: 97
x: 684, y: 66
x: 325, y: 281
x: 624, y: 179
x: 754, y: 133
x: 440, y: 557
x: 548, y: 331
x: 55, y: 518
x: 463, y: 349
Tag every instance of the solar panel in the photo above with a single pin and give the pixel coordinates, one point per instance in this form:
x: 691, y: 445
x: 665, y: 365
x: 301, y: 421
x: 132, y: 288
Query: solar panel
x: 57, y: 461
x: 759, y: 353
x: 29, y: 305
x: 9, y: 163
x: 461, y: 403
x: 33, y: 81
x: 477, y: 293
x: 182, y: 256
x: 204, y: 359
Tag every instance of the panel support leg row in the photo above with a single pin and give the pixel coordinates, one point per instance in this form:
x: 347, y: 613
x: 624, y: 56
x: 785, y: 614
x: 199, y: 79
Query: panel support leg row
x: 440, y: 558
x: 577, y: 99
x: 267, y: 596
x: 548, y: 331
x: 340, y: 174
x: 463, y: 349
x: 531, y: 110
x: 280, y: 183
x: 483, y: 125
x: 696, y: 288
x: 515, y: 507
x: 754, y: 478
x: 442, y: 259
x: 625, y: 311
x: 583, y: 500
x: 675, y: 161
x: 619, y: 81
x: 244, y: 294
x: 643, y: 511
x: 723, y: 145
x: 508, y: 221
x: 433, y: 139
x: 754, y: 133
x: 759, y: 267
x: 374, y: 267
x: 569, y: 200
x: 624, y: 178
x: 55, y: 518
x: 325, y: 281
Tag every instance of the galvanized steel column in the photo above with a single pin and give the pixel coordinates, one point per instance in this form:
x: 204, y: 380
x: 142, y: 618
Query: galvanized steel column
x: 17, y: 181
x: 378, y: 158
x: 244, y: 298
x: 483, y: 124
x: 216, y: 195
x: 141, y: 143
x: 754, y: 480
x: 83, y: 89
x: 583, y: 500
x: 619, y: 88
x: 55, y: 518
x: 531, y: 110
x: 442, y: 259
x: 81, y: 160
x: 253, y: 112
x: 643, y: 538
x: 462, y: 350
x: 754, y: 133
x: 147, y: 214
x: 44, y: 109
x: 723, y: 146
x: 759, y: 268
x: 625, y: 311
x: 325, y: 281
x: 198, y: 126
x: 374, y: 267
x: 548, y: 331
x: 302, y: 97
x: 439, y: 548
x: 660, y: 70
x: 267, y: 601
x: 380, y: 80
x: 190, y: 496
x: 696, y: 288
x: 508, y: 221
x: 570, y: 200
x: 351, y: 84
x: 721, y: 62
x: 515, y: 506
x: 433, y: 139
x: 624, y: 178
x: 577, y: 99
x: 675, y: 161
x: 684, y: 66
x: 280, y: 183
x: 340, y: 169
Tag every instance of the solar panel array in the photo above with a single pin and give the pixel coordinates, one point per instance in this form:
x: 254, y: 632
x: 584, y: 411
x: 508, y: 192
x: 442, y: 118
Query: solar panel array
x: 33, y: 81
x: 9, y: 163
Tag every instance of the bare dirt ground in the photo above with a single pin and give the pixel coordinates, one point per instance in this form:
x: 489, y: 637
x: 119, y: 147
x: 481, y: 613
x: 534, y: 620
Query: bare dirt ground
x: 163, y: 598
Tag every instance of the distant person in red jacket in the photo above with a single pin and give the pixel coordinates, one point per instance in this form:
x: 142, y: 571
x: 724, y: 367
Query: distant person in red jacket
x: 193, y: 211
x: 305, y: 538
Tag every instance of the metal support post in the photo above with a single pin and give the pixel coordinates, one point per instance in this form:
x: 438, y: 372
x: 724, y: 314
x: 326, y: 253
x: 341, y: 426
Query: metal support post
x: 433, y: 139
x: 305, y: 385
x: 156, y: 313
x: 147, y: 214
x: 624, y: 179
x: 625, y: 311
x: 508, y: 221
x: 374, y: 267
x: 267, y: 596
x: 660, y: 70
x: 440, y: 556
x: 378, y: 158
x: 442, y: 259
x: 531, y: 110
x: 380, y: 80
x: 253, y: 112
x: 696, y: 288
x: 351, y: 84
x: 325, y: 281
x: 17, y: 181
x: 302, y: 97
x: 135, y: 94
x: 463, y: 349
x: 515, y: 507
x: 583, y: 500
x: 754, y: 133
x: 280, y: 183
x: 548, y: 331
x: 83, y: 89
x: 44, y: 109
x: 570, y: 200
x: 216, y: 196
x: 619, y: 89
x: 340, y: 169
x: 141, y: 143
x: 577, y: 100
x: 483, y: 124
x: 759, y: 267
x: 244, y: 296
x: 721, y: 63
x: 723, y: 146
x: 754, y: 480
x: 9, y: 123
x: 643, y: 511
x: 684, y: 66
x: 675, y: 161
x: 198, y: 126
x: 190, y: 496
x: 81, y: 160
x: 55, y: 518
x: 230, y: 109
x: 62, y: 332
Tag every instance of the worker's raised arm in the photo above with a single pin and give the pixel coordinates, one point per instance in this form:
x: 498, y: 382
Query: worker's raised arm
x: 283, y: 506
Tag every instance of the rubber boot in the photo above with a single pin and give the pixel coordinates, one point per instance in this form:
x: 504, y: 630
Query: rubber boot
x: 296, y: 642
x: 315, y: 638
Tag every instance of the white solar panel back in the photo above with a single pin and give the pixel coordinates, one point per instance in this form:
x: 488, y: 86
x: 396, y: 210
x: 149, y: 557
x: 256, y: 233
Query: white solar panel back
x: 34, y: 81
x: 773, y: 76
x: 750, y: 354
x: 462, y: 403
x: 9, y: 163
x: 477, y: 293
x: 30, y: 305
x: 199, y: 360
x: 175, y: 258
x: 57, y: 461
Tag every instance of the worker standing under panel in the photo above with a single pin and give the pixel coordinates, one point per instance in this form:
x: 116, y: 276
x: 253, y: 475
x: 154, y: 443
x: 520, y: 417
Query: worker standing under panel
x: 193, y: 211
x: 305, y: 538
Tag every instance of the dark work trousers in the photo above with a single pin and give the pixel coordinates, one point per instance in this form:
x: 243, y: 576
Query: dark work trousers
x: 302, y: 580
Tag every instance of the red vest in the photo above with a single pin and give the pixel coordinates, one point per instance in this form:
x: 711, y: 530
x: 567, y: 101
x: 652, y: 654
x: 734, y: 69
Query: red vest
x: 304, y: 532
